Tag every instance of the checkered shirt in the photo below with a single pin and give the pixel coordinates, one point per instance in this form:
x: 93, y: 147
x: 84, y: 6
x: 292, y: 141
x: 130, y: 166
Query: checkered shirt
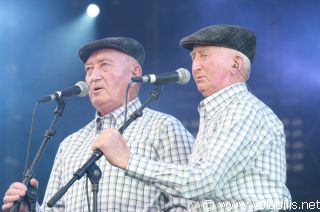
x: 155, y: 136
x: 238, y: 156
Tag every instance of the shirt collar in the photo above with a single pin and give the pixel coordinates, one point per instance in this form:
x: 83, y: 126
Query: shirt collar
x: 117, y: 116
x: 211, y: 103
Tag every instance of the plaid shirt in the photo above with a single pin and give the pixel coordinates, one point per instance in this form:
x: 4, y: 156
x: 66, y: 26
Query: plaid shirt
x: 238, y: 156
x: 155, y: 136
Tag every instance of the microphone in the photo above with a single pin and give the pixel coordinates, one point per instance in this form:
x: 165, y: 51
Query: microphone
x: 181, y: 76
x: 81, y: 88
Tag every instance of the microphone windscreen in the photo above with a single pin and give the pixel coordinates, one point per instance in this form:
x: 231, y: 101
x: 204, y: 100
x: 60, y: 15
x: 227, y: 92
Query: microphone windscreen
x: 184, y: 76
x: 84, y: 87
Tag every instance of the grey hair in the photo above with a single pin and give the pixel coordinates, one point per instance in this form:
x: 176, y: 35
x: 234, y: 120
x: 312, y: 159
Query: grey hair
x: 246, y: 65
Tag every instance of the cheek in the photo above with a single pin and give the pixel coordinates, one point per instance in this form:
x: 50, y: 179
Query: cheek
x: 87, y: 79
x: 193, y: 74
x: 115, y: 83
x: 88, y: 82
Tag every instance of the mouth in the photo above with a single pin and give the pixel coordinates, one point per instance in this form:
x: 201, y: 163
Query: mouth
x: 199, y: 78
x: 96, y: 89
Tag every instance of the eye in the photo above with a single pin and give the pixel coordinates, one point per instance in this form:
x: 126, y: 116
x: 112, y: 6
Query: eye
x: 88, y: 68
x: 203, y: 55
x: 105, y: 66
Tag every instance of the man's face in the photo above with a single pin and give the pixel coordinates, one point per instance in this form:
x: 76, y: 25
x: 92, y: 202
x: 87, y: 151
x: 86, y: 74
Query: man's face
x: 108, y: 72
x: 211, y: 67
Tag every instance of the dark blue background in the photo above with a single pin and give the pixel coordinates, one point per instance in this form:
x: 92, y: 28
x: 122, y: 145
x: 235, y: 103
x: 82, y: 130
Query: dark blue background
x: 38, y: 55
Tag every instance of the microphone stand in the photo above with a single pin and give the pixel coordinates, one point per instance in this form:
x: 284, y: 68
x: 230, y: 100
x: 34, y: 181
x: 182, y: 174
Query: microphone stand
x: 31, y: 195
x: 87, y: 167
x: 94, y: 174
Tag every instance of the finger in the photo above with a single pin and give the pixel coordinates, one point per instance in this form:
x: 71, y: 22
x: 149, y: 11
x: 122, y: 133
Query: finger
x: 97, y: 143
x: 7, y: 206
x: 18, y: 185
x: 16, y: 191
x: 10, y: 199
x: 93, y: 146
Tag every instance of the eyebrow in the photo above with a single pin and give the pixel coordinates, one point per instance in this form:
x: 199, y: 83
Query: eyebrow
x: 199, y: 50
x: 100, y: 61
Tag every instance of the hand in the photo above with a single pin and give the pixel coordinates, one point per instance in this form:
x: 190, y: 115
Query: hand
x: 114, y: 147
x: 15, y: 191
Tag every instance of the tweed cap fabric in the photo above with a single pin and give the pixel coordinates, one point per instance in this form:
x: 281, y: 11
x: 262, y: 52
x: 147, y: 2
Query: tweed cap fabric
x: 230, y: 36
x: 123, y: 44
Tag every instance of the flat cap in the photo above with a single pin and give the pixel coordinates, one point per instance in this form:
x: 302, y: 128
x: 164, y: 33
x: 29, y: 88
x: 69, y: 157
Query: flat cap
x: 230, y: 36
x: 123, y: 44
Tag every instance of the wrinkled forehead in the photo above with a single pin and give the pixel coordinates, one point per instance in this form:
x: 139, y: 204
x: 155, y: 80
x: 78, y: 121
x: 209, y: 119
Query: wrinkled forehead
x: 107, y: 55
x: 202, y: 49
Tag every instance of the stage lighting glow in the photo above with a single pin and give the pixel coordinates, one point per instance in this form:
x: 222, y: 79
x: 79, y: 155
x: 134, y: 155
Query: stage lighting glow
x: 93, y: 10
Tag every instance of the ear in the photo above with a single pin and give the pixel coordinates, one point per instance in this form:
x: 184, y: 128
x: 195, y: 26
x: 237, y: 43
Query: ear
x: 239, y: 61
x: 135, y: 87
x: 137, y: 70
x: 237, y: 64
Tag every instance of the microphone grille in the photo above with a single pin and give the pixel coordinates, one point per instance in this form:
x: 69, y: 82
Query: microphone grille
x: 184, y: 76
x: 84, y: 87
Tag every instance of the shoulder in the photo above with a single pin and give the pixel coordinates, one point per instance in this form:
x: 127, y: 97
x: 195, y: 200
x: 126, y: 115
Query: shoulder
x: 78, y: 136
x: 251, y: 107
x: 161, y: 117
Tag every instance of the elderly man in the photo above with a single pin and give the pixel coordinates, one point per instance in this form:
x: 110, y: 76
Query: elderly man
x: 110, y: 64
x: 238, y: 161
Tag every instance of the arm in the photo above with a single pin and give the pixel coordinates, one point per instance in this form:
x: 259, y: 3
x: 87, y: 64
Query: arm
x: 174, y: 146
x: 171, y: 143
x: 217, y: 157
x: 225, y: 146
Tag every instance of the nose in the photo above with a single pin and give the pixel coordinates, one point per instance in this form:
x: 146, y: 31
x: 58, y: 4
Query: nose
x: 94, y: 75
x: 196, y: 65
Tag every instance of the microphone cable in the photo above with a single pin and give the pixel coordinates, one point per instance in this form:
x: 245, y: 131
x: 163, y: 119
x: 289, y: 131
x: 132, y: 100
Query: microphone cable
x: 30, y: 138
x: 126, y: 104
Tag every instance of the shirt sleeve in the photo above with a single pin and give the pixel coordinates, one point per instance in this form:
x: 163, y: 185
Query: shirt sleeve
x: 227, y: 151
x: 174, y: 146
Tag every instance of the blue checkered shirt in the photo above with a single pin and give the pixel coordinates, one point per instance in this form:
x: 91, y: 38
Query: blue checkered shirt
x: 238, y: 156
x: 155, y: 136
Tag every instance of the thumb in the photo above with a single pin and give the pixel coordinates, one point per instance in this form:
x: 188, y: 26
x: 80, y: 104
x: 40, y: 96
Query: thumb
x: 34, y: 182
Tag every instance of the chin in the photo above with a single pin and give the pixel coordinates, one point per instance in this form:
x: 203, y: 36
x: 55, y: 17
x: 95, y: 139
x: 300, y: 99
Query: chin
x: 201, y: 90
x: 204, y: 92
x: 96, y: 103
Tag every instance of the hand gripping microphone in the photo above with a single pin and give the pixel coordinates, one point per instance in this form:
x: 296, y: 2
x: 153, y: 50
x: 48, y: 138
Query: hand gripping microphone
x: 81, y: 88
x: 180, y: 76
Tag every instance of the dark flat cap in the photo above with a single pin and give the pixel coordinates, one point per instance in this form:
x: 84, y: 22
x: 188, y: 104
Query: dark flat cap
x: 123, y: 44
x: 230, y: 36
